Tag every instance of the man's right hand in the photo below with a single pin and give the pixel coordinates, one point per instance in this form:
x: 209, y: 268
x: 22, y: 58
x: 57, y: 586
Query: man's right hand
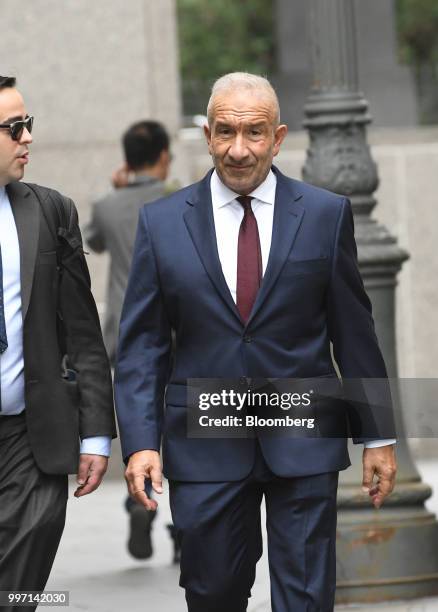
x: 120, y: 177
x: 144, y: 465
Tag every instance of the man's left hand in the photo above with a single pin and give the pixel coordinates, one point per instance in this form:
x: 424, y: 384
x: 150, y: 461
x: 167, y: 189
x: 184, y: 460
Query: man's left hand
x: 381, y: 462
x: 90, y: 473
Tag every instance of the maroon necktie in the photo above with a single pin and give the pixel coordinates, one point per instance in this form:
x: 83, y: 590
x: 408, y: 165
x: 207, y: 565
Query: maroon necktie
x: 249, y: 260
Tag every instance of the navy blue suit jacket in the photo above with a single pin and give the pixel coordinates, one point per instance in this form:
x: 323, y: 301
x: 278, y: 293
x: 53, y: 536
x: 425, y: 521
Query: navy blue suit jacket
x: 312, y: 293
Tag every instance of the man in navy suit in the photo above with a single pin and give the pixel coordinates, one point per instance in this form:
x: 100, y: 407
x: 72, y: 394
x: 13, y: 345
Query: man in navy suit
x: 255, y: 273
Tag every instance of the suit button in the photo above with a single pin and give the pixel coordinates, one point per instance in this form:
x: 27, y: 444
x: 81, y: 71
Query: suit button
x: 247, y: 339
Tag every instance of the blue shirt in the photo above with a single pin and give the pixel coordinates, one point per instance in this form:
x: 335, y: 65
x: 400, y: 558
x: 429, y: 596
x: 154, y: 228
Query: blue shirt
x: 12, y: 360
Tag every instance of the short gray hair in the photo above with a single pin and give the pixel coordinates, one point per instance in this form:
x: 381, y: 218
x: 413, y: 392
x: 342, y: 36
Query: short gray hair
x: 243, y: 80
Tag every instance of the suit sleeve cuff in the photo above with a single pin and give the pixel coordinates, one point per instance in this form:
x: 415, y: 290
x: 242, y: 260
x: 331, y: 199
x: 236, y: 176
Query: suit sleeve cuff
x: 96, y: 445
x: 378, y: 443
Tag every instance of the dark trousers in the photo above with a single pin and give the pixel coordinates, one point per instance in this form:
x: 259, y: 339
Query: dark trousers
x: 32, y: 513
x: 219, y: 526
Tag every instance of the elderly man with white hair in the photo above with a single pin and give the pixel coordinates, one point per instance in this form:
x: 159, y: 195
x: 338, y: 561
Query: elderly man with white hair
x: 254, y: 274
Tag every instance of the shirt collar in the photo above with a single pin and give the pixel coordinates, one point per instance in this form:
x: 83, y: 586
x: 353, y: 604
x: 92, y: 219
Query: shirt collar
x: 3, y: 194
x: 221, y: 195
x: 141, y: 179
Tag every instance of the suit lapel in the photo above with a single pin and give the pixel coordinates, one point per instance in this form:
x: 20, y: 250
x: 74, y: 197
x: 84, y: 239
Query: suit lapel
x: 200, y: 224
x: 287, y: 220
x: 25, y: 208
x: 288, y: 215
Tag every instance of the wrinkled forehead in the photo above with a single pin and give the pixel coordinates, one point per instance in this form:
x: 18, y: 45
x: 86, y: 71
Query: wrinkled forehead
x: 244, y: 106
x: 11, y: 104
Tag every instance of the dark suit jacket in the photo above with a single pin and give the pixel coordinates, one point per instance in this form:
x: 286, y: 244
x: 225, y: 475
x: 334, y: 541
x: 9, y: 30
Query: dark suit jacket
x: 312, y: 293
x: 58, y: 411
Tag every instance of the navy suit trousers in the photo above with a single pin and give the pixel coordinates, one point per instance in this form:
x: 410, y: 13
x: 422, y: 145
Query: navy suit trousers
x: 220, y: 530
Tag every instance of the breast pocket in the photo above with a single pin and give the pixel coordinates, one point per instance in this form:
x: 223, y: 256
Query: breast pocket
x: 46, y: 258
x: 307, y: 267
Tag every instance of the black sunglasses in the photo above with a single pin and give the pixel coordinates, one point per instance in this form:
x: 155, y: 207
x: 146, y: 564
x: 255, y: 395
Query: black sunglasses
x: 16, y: 127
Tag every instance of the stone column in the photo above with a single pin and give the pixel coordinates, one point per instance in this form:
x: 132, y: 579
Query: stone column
x: 389, y: 85
x: 388, y: 553
x: 88, y: 70
x: 293, y: 73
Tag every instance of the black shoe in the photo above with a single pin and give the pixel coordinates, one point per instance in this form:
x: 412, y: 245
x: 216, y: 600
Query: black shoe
x: 173, y: 532
x: 140, y: 543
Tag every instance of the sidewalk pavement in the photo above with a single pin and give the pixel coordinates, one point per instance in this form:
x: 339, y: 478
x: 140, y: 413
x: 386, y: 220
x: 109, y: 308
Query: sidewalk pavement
x: 94, y: 566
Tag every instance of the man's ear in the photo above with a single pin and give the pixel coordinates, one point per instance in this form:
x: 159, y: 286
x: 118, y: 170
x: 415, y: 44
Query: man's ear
x: 163, y: 164
x: 280, y: 135
x: 207, y: 133
x: 164, y: 158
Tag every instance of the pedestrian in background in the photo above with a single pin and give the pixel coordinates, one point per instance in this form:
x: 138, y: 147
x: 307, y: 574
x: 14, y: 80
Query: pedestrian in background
x: 113, y: 228
x: 114, y: 217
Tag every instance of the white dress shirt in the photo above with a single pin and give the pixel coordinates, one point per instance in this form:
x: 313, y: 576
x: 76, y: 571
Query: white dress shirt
x: 12, y: 360
x: 228, y: 214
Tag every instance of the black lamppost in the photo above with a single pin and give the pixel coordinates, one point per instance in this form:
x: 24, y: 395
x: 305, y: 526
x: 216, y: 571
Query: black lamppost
x: 391, y: 553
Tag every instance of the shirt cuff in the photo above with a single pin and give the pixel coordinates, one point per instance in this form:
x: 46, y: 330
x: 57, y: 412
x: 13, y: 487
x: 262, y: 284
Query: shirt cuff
x: 96, y: 445
x: 378, y: 443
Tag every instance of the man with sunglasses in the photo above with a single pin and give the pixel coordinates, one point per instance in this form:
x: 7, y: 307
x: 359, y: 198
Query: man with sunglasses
x: 45, y: 410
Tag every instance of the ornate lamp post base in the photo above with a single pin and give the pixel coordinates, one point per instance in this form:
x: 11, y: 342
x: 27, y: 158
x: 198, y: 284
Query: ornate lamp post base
x: 389, y: 553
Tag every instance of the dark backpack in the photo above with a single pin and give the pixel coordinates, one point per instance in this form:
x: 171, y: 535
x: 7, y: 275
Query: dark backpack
x: 57, y: 211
